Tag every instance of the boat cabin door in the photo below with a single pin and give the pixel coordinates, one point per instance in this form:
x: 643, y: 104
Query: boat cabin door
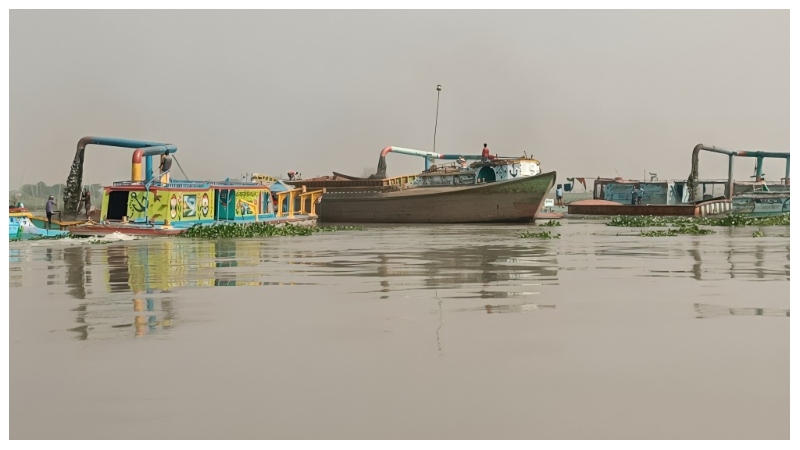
x: 226, y: 204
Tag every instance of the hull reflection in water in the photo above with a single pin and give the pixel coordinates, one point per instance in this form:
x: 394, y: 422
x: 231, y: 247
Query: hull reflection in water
x: 106, y: 321
x: 509, y: 308
x: 151, y: 270
x: 708, y: 311
x: 148, y: 270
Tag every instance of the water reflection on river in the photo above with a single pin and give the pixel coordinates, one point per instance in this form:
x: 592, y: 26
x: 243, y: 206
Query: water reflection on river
x: 403, y: 332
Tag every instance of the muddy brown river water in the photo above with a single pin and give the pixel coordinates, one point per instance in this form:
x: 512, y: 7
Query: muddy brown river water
x: 414, y: 332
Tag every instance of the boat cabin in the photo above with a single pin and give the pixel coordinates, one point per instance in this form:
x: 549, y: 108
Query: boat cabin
x: 183, y: 203
x: 656, y: 192
x: 502, y: 169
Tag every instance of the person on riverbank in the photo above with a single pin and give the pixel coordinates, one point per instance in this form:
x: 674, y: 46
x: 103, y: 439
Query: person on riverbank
x: 48, y: 209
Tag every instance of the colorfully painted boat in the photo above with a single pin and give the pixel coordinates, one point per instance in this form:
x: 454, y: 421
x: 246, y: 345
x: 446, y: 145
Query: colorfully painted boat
x: 500, y: 189
x: 149, y: 205
x: 20, y: 226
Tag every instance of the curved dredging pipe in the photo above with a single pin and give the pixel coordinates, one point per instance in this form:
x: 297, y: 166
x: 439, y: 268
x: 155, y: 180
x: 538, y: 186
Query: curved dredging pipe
x: 147, y: 149
x: 429, y: 156
x: 759, y: 155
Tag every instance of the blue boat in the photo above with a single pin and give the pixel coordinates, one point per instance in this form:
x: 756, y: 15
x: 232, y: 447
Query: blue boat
x: 20, y: 226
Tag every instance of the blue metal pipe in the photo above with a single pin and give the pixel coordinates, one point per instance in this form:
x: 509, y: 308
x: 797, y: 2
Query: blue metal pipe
x: 759, y: 155
x: 116, y: 142
x: 759, y: 167
x: 149, y: 149
x: 475, y: 157
x: 148, y: 169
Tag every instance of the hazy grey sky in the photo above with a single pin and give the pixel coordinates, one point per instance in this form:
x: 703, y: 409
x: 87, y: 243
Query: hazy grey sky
x: 588, y: 93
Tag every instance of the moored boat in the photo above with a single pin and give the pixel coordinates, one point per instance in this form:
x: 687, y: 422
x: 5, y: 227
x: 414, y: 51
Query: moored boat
x: 500, y: 189
x: 693, y: 196
x: 149, y: 205
x: 21, y: 226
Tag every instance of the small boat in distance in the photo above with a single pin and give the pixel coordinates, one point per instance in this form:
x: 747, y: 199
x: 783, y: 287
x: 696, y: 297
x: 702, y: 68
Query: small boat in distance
x: 493, y: 190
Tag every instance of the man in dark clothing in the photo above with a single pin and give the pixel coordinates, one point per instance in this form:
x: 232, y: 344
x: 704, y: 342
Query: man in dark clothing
x: 49, y: 208
x: 634, y: 195
x: 87, y: 200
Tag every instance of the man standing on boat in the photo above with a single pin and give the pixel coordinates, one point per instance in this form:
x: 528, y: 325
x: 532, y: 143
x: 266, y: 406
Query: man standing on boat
x: 634, y: 195
x: 486, y: 156
x: 49, y: 208
x: 559, y: 196
x: 87, y: 200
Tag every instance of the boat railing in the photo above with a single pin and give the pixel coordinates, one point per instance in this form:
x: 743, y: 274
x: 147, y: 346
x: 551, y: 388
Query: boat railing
x: 439, y: 169
x: 308, y: 202
x: 398, y: 181
x: 251, y: 205
x: 177, y: 184
x: 311, y: 198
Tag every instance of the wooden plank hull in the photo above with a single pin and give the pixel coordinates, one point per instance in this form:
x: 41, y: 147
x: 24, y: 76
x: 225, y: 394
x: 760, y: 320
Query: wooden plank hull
x: 511, y: 201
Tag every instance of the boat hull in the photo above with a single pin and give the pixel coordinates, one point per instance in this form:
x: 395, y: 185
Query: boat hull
x: 133, y: 229
x: 513, y: 201
x: 20, y: 226
x: 761, y: 205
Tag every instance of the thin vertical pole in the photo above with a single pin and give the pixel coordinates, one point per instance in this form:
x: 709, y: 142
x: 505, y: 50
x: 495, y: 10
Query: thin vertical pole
x: 438, y: 91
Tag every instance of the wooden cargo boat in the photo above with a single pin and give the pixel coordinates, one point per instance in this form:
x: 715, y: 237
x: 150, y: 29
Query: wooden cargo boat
x: 694, y: 196
x: 498, y: 190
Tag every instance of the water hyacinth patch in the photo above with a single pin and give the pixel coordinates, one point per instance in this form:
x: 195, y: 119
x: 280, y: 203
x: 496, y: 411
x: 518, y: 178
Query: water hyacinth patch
x: 734, y: 220
x: 256, y: 229
x: 542, y: 235
x: 738, y: 220
x: 550, y: 223
x: 338, y: 228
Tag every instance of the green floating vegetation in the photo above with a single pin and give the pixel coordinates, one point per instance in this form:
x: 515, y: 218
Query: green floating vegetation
x: 639, y: 221
x: 550, y: 223
x: 541, y: 235
x: 338, y: 228
x: 693, y: 229
x: 758, y: 233
x: 738, y: 220
x: 733, y: 220
x: 256, y: 229
x: 659, y: 233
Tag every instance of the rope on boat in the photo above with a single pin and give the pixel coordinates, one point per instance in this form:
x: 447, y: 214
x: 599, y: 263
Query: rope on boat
x: 186, y: 177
